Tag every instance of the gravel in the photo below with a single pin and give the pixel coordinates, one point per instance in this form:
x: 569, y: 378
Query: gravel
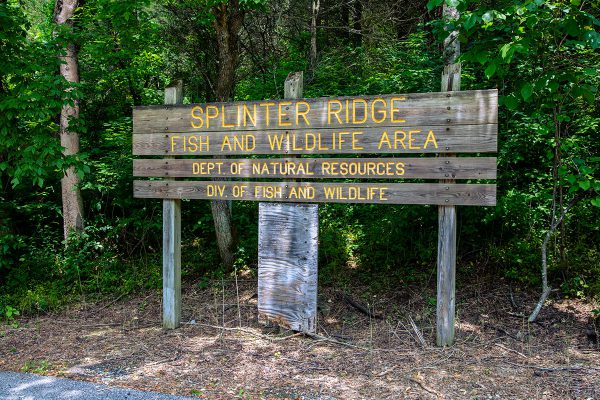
x: 16, y: 386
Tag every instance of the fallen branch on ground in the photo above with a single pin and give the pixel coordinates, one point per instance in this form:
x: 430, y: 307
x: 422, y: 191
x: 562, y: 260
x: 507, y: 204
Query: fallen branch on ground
x: 419, y: 380
x: 361, y: 308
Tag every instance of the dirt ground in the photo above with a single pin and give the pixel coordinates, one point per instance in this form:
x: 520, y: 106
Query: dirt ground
x: 497, y: 354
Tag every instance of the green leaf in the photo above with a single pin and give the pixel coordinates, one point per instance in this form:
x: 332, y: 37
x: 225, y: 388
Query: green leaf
x: 431, y: 4
x: 511, y: 102
x: 470, y: 21
x: 490, y: 70
x: 527, y: 91
x: 553, y: 86
x: 482, y: 57
x: 585, y: 185
x: 488, y: 16
x: 506, y: 51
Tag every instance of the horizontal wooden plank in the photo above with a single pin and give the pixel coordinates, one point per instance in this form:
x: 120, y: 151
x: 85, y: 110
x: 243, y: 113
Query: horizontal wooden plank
x: 329, y: 168
x: 426, y: 139
x: 305, y: 192
x: 358, y: 112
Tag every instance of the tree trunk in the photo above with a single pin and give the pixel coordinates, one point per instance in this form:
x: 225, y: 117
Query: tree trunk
x: 357, y: 22
x: 71, y: 195
x: 228, y: 22
x: 345, y: 21
x: 313, y: 36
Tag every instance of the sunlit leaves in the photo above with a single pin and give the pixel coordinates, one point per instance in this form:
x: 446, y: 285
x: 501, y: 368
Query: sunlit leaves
x: 490, y: 70
x: 527, y: 91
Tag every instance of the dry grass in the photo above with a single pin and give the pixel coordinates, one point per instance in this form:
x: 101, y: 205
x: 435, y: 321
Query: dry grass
x: 497, y: 354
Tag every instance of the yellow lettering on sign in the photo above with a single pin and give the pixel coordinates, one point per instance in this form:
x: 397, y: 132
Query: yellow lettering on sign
x: 239, y: 142
x: 394, y: 110
x: 283, y: 114
x: 313, y: 138
x: 294, y: 147
x: 340, y: 139
x: 223, y: 124
x: 320, y: 147
x: 364, y: 109
x: 192, y: 144
x: 197, y: 115
x: 355, y: 193
x: 331, y: 112
x: 215, y: 190
x: 384, y: 139
x: 347, y: 111
x: 411, y: 139
x: 302, y: 113
x: 355, y: 145
x: 173, y: 142
x: 430, y: 138
x: 210, y: 116
x: 204, y: 143
x: 268, y: 192
x: 267, y: 106
x: 399, y: 168
x: 302, y: 192
x: 247, y: 115
x: 206, y: 167
x: 250, y: 142
x: 382, y: 113
x: 226, y: 142
x: 275, y: 140
x: 399, y: 137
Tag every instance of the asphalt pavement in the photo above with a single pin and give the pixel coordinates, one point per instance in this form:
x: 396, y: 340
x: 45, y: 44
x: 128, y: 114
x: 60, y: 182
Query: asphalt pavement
x: 17, y: 386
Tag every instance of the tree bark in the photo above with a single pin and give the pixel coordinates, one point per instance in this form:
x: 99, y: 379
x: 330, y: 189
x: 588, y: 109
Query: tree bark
x: 357, y: 7
x: 313, y: 36
x: 227, y: 24
x: 71, y: 195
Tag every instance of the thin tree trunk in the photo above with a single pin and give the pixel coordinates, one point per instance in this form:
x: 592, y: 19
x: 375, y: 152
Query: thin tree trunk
x: 357, y: 7
x: 546, y: 289
x: 228, y: 22
x: 313, y: 36
x: 71, y: 195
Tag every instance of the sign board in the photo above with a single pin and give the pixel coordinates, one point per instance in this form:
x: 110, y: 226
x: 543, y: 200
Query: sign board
x: 418, y: 126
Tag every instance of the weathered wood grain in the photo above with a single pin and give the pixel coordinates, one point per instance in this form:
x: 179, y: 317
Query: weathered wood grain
x: 316, y: 192
x: 171, y: 263
x: 172, y: 241
x: 288, y: 254
x: 446, y: 257
x: 413, y: 109
x: 328, y: 168
x: 287, y: 265
x: 450, y: 139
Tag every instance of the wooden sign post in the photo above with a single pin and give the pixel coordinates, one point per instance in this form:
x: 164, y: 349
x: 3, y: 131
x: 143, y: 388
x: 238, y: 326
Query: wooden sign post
x: 172, y: 239
x: 446, y: 257
x: 288, y: 237
x: 414, y: 135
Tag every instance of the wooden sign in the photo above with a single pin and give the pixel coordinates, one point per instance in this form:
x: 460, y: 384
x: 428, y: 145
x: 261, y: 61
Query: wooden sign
x: 312, y: 192
x: 411, y: 123
x: 416, y: 124
x: 322, y: 168
x: 475, y: 107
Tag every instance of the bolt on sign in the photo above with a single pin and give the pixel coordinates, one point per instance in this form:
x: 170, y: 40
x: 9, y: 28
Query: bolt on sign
x: 398, y: 134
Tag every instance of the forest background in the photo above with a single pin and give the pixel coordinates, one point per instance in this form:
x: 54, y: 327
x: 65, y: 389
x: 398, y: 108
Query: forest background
x: 541, y: 55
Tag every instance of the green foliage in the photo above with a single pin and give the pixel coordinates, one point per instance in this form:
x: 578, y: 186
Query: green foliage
x: 31, y: 95
x: 36, y: 367
x: 541, y: 55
